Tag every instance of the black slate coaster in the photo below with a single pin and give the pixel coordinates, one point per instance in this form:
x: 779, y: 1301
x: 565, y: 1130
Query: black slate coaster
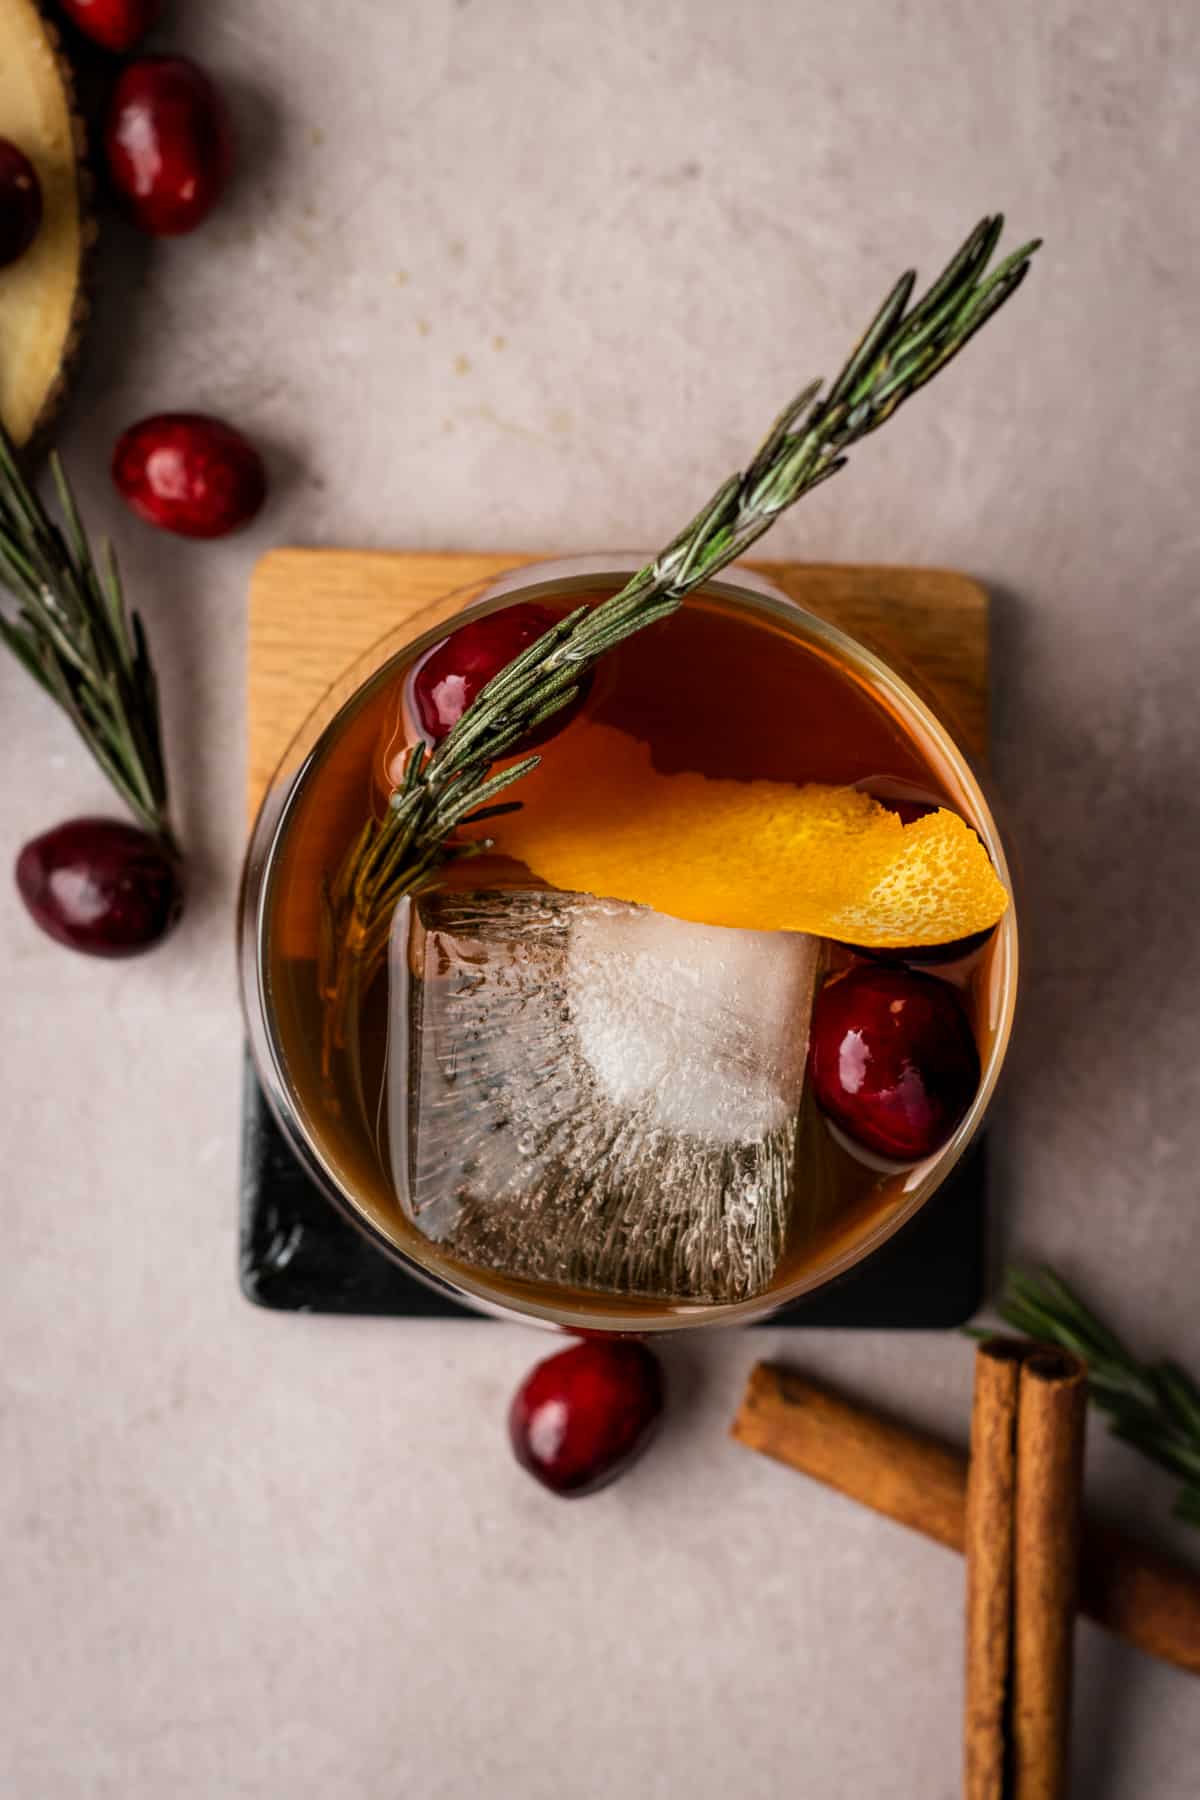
x: 299, y: 1255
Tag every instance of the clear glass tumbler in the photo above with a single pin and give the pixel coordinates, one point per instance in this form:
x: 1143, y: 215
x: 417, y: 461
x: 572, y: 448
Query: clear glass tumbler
x: 319, y: 1136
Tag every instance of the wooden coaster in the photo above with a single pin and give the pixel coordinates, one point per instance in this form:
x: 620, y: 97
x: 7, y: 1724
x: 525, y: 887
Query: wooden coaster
x: 313, y: 613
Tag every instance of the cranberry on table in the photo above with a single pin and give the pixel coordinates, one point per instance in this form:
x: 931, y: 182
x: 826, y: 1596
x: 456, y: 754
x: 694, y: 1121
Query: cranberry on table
x: 170, y: 152
x: 451, y: 676
x: 583, y: 1416
x: 116, y: 24
x: 893, y: 1060
x: 20, y: 203
x: 190, y: 474
x: 100, y: 886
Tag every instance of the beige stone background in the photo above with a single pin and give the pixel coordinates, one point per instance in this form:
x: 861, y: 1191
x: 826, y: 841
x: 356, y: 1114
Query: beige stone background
x: 507, y: 273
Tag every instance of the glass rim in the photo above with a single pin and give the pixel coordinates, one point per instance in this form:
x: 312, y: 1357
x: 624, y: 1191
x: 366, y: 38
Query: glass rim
x: 409, y: 642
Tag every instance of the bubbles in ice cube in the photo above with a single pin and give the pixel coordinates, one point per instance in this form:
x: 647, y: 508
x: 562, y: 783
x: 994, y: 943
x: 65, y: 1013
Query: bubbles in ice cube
x: 591, y: 1093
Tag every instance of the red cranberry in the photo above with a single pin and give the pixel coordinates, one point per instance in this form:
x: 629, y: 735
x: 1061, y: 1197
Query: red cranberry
x: 117, y: 24
x: 893, y: 1060
x: 583, y: 1416
x: 190, y: 474
x: 20, y: 203
x: 100, y: 886
x: 460, y: 668
x: 169, y: 147
x: 930, y: 955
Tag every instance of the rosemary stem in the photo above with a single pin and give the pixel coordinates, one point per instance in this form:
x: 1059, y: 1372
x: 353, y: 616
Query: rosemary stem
x: 72, y: 632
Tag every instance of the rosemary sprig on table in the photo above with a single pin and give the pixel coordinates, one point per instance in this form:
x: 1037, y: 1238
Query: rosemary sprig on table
x: 1153, y: 1406
x: 456, y: 784
x: 73, y: 632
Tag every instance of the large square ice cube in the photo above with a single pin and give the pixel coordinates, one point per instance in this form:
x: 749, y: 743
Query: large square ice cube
x: 591, y: 1093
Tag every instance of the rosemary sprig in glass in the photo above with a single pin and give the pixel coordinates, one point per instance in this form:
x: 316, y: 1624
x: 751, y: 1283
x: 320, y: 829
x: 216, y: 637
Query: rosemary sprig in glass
x: 1154, y: 1406
x: 73, y: 632
x: 456, y: 784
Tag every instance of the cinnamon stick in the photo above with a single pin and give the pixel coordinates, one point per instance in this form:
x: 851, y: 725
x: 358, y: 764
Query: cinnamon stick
x: 1143, y: 1596
x: 1051, y: 1416
x: 989, y: 1542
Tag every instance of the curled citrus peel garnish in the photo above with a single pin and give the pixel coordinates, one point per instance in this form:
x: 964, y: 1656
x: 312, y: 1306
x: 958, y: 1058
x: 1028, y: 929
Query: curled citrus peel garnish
x: 758, y: 855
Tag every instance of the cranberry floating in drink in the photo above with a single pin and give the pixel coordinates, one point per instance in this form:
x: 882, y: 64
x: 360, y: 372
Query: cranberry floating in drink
x: 451, y: 677
x: 580, y: 1418
x: 893, y: 1060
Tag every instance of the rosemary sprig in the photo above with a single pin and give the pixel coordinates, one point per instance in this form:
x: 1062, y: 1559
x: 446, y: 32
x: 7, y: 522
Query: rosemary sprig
x: 1154, y: 1406
x: 903, y: 347
x: 75, y: 635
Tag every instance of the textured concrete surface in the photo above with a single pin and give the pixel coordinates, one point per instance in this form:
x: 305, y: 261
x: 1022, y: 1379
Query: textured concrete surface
x: 503, y: 273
